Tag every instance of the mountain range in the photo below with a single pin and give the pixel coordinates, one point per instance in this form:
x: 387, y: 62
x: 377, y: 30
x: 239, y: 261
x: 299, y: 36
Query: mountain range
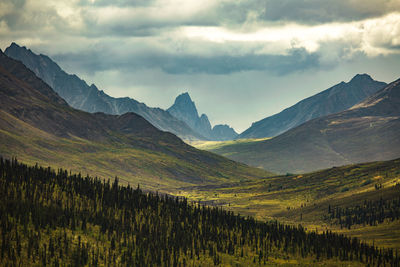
x: 38, y: 126
x: 185, y: 110
x: 332, y: 128
x: 335, y: 99
x: 78, y: 94
x: 367, y: 131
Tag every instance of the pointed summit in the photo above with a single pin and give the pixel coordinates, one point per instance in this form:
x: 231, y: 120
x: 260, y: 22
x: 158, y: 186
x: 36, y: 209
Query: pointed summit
x: 184, y: 109
x: 204, y: 124
x: 80, y: 95
x: 41, y: 65
x: 185, y: 103
x: 332, y: 100
x: 361, y: 78
x: 184, y: 97
x: 13, y: 48
x: 13, y: 45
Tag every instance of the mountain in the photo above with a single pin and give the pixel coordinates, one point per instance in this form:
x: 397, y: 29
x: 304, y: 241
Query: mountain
x: 335, y: 99
x: 38, y: 126
x: 368, y: 131
x: 184, y: 109
x: 223, y: 132
x: 80, y: 95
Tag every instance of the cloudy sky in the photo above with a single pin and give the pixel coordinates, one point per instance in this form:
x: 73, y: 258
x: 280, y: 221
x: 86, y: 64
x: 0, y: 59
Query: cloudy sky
x: 240, y: 60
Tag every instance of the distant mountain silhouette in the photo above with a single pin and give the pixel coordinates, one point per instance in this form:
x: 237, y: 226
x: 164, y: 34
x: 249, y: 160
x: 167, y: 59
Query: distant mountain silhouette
x: 368, y: 131
x: 80, y: 95
x: 185, y: 110
x: 37, y: 125
x: 335, y: 99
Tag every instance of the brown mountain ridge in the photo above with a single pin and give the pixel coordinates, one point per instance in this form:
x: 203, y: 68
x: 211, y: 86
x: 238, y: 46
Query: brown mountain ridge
x: 368, y: 131
x: 37, y: 125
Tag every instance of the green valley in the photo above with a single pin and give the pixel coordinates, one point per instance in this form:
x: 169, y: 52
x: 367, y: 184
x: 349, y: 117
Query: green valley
x: 306, y: 198
x: 37, y: 126
x: 59, y: 218
x: 199, y: 133
x: 290, y: 219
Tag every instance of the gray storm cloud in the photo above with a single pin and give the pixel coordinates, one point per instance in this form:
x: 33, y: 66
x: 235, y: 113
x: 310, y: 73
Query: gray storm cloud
x: 203, y: 45
x: 101, y: 60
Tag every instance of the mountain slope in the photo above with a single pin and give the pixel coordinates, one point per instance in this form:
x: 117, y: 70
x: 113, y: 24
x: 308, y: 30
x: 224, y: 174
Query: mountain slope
x: 185, y: 110
x: 37, y: 125
x: 51, y: 218
x: 368, y: 131
x: 335, y: 99
x: 88, y: 98
x: 306, y: 199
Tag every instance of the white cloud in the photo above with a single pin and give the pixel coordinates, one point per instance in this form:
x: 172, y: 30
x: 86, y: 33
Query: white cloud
x: 372, y: 36
x: 209, y: 46
x: 180, y: 26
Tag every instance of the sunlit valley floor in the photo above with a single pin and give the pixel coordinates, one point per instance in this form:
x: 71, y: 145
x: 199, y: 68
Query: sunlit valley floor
x: 62, y: 217
x: 370, y: 192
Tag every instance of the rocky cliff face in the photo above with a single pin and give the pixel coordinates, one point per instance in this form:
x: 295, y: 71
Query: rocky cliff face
x: 185, y: 109
x: 36, y: 124
x: 335, y: 99
x: 80, y: 95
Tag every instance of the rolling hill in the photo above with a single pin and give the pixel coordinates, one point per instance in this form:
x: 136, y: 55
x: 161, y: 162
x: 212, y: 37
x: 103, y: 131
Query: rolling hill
x: 372, y: 189
x: 80, y: 95
x: 335, y: 99
x: 368, y: 131
x: 37, y: 125
x: 56, y: 218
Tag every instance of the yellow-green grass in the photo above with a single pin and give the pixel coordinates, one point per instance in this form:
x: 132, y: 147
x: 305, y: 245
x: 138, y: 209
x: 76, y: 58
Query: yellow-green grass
x: 211, y: 145
x: 153, y: 169
x: 304, y: 199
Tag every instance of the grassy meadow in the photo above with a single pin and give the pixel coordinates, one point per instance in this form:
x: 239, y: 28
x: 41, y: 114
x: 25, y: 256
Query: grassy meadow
x: 211, y: 145
x: 305, y: 199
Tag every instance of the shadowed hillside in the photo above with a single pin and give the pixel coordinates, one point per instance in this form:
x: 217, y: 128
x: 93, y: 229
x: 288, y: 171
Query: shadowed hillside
x: 55, y: 218
x: 80, y: 95
x: 38, y: 126
x: 335, y: 99
x: 368, y: 131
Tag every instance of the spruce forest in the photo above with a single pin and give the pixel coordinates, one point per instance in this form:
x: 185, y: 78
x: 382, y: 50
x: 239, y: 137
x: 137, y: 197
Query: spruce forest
x: 369, y: 213
x: 176, y: 133
x: 56, y: 218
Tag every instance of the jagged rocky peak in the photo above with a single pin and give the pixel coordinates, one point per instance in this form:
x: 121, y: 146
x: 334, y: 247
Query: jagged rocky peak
x: 204, y: 124
x: 15, y: 46
x: 16, y: 49
x: 185, y: 109
x: 183, y: 98
x: 183, y: 103
x: 80, y: 95
x: 41, y: 64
